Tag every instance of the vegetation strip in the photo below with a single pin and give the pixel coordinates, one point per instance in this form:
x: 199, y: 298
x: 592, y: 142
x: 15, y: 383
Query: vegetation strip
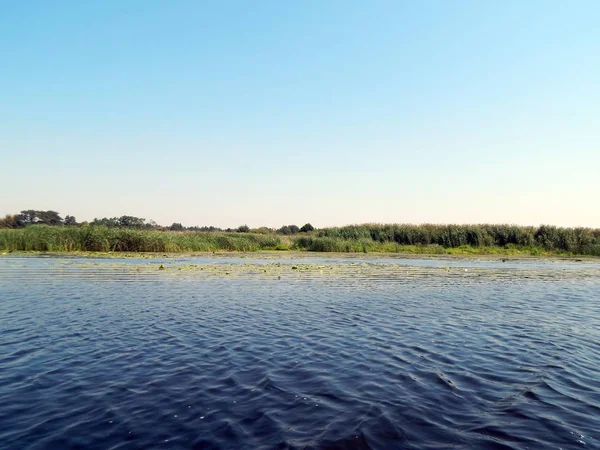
x: 47, y: 231
x: 414, y: 239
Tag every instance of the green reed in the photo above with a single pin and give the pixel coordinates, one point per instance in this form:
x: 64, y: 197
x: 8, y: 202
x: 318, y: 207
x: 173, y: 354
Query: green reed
x: 391, y: 238
x: 104, y: 239
x: 585, y: 241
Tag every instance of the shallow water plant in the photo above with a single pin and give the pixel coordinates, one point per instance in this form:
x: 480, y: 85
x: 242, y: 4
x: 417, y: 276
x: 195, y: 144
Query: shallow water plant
x: 394, y: 238
x: 104, y: 239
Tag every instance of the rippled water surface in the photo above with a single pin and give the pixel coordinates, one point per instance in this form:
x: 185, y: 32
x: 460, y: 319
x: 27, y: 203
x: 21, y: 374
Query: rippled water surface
x: 315, y: 353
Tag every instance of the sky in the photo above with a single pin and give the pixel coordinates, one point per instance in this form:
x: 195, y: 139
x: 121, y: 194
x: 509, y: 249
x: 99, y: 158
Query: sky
x: 277, y: 112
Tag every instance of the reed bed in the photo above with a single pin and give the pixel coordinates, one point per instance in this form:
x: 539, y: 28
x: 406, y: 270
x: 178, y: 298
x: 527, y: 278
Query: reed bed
x: 431, y: 239
x: 103, y: 239
x: 543, y: 239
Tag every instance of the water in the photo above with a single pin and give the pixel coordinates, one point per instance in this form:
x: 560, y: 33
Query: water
x: 315, y: 353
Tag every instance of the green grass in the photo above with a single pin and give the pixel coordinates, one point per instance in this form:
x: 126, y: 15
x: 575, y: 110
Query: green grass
x: 507, y: 238
x: 412, y: 239
x: 103, y: 239
x: 327, y: 244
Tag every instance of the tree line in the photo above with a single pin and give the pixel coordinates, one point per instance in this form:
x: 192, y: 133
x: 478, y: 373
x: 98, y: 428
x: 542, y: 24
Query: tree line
x: 437, y: 239
x: 53, y: 218
x: 577, y: 240
x: 33, y: 217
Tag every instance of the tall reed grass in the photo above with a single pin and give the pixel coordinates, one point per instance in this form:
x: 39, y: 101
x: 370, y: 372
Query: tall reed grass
x: 585, y: 241
x: 354, y: 238
x: 104, y: 239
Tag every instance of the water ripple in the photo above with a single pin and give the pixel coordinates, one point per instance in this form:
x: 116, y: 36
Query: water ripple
x: 331, y: 354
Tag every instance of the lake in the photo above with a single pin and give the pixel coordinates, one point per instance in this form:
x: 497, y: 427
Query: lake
x: 298, y: 352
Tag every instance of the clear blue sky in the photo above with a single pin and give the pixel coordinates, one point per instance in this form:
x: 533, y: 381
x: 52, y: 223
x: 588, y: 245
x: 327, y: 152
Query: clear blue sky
x: 329, y: 112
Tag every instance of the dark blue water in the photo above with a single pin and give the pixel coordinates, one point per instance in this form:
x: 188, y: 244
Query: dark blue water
x: 97, y: 355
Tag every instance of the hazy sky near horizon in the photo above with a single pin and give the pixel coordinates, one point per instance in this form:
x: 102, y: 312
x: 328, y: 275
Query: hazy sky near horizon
x: 329, y: 112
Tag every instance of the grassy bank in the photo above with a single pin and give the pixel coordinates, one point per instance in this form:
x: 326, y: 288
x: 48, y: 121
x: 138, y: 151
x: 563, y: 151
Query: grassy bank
x: 421, y: 239
x: 103, y: 239
x: 545, y: 238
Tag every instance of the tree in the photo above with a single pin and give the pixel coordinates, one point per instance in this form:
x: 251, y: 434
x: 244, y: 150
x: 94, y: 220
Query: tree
x: 30, y: 216
x: 50, y: 218
x: 306, y: 228
x: 131, y: 222
x: 205, y: 228
x: 70, y: 220
x: 284, y: 230
x: 11, y: 221
x: 27, y: 217
x: 105, y: 221
x: 176, y: 227
x: 243, y: 229
x: 288, y: 229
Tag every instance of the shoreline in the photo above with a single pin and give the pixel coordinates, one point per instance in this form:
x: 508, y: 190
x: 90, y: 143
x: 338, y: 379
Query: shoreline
x: 499, y: 241
x: 299, y: 254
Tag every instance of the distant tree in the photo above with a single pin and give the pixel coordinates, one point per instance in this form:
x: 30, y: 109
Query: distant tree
x: 243, y: 229
x: 152, y: 225
x: 105, y: 221
x: 11, y: 221
x: 50, y: 217
x: 131, y: 222
x: 176, y: 227
x: 204, y: 229
x: 284, y: 230
x: 125, y: 222
x: 288, y: 229
x: 306, y: 228
x: 208, y: 229
x: 70, y: 220
x: 30, y: 216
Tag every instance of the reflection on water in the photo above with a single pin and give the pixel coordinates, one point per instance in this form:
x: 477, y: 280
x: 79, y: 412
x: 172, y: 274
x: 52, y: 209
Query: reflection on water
x: 322, y: 353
